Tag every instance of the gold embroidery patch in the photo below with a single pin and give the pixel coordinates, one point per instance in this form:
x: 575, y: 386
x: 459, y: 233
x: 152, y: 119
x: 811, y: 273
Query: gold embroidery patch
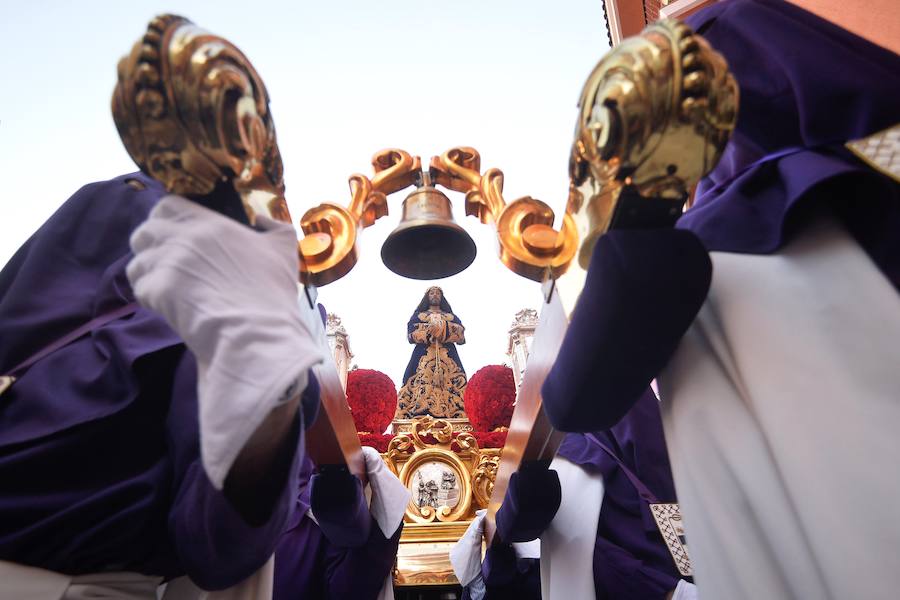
x: 880, y: 150
x: 6, y: 382
x: 671, y: 526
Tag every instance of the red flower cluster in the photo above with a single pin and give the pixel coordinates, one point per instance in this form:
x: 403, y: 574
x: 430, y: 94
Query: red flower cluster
x: 489, y: 397
x: 372, y: 399
x: 485, y: 439
x: 490, y: 439
x: 379, y: 441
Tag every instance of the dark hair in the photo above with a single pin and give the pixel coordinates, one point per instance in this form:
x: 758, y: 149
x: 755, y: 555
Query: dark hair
x: 423, y: 304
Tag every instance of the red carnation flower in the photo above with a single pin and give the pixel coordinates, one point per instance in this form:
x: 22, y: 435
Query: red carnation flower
x: 489, y: 397
x: 372, y: 399
x: 379, y: 441
x: 491, y: 439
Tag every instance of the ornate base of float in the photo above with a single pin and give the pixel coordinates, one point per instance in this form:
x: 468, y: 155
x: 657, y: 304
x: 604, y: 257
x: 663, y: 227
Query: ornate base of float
x: 399, y: 426
x: 449, y: 479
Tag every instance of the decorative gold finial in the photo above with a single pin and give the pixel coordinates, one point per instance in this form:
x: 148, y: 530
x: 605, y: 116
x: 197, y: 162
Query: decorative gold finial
x: 655, y: 114
x: 192, y: 111
x: 528, y: 244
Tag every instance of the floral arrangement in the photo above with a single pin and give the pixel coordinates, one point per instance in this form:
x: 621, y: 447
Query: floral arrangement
x: 372, y: 398
x: 489, y: 398
x: 379, y: 441
x: 490, y: 439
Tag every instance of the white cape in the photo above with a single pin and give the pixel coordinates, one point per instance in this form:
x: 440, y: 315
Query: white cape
x: 781, y: 410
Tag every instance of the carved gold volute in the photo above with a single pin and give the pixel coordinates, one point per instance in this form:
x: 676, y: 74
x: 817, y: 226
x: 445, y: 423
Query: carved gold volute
x: 449, y: 477
x: 192, y: 111
x: 527, y: 243
x: 655, y: 115
x: 330, y: 246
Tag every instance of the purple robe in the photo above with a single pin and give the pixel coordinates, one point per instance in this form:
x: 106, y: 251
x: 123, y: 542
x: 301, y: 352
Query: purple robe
x: 508, y: 577
x: 631, y: 561
x: 99, y: 442
x: 807, y: 86
x: 307, y: 565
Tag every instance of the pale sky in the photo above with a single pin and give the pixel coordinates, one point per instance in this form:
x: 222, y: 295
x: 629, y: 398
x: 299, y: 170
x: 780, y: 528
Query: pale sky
x: 345, y: 79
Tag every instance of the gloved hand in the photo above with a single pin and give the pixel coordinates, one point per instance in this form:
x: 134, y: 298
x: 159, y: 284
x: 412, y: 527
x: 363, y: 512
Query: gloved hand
x: 530, y: 503
x: 643, y: 290
x: 231, y: 293
x: 465, y: 555
x: 339, y: 506
x: 499, y: 569
x: 389, y: 495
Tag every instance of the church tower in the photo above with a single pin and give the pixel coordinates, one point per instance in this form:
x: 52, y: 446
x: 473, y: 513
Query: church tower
x: 518, y: 348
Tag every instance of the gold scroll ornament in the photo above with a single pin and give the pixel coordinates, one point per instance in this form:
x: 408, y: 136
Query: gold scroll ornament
x: 654, y: 117
x: 462, y: 481
x: 527, y: 243
x: 330, y: 247
x: 193, y: 113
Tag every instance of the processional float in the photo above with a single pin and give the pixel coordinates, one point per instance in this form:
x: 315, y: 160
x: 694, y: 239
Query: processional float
x: 654, y: 117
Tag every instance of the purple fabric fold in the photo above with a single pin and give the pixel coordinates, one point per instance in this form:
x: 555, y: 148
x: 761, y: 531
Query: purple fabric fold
x: 630, y: 558
x: 339, y: 505
x: 531, y: 501
x: 508, y: 577
x: 642, y: 292
x: 99, y: 441
x: 307, y: 565
x: 809, y: 86
x: 212, y: 542
x: 69, y: 272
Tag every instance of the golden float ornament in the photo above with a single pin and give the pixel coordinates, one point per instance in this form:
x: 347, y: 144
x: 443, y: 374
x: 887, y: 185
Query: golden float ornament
x: 654, y: 117
x: 193, y: 112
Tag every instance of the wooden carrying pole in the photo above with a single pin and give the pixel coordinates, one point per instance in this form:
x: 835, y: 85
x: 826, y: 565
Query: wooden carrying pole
x: 531, y: 437
x: 332, y: 438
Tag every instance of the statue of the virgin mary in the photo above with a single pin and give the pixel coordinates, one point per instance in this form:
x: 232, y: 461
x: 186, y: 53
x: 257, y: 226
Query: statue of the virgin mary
x: 434, y: 380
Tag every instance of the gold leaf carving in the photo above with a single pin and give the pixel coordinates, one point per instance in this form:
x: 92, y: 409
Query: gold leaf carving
x: 192, y: 111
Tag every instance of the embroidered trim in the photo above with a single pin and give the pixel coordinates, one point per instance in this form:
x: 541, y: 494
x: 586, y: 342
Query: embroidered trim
x: 671, y: 526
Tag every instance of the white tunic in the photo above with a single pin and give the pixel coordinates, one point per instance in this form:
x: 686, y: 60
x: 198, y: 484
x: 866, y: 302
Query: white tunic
x: 567, y: 546
x: 781, y: 410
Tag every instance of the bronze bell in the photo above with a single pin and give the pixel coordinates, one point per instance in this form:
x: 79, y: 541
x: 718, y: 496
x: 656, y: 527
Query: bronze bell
x: 428, y: 244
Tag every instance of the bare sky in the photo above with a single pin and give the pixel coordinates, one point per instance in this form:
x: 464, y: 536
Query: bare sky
x: 346, y: 78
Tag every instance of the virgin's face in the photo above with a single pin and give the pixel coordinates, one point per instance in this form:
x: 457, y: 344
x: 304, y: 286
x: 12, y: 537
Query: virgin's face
x: 434, y: 297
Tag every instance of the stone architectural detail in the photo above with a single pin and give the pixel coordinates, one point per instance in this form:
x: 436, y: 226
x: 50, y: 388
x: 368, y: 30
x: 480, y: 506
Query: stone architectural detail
x: 339, y: 343
x: 521, y: 333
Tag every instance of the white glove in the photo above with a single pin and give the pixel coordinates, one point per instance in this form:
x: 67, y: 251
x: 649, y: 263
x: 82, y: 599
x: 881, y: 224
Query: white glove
x: 465, y: 555
x: 231, y: 293
x: 389, y: 495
